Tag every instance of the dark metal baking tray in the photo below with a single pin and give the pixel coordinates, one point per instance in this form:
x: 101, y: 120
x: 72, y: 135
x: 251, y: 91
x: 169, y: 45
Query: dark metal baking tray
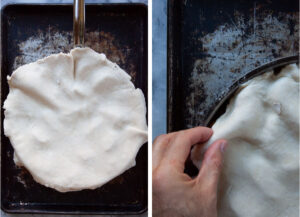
x: 30, y: 32
x: 213, y: 43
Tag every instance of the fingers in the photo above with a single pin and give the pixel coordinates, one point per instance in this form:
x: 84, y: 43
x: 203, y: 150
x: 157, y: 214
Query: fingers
x: 210, y: 170
x: 181, y: 143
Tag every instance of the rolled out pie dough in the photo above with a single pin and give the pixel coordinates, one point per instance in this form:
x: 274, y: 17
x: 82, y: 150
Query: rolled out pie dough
x: 75, y: 120
x: 260, y: 176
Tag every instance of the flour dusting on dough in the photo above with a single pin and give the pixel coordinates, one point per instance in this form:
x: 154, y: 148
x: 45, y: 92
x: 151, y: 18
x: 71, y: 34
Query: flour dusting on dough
x: 260, y: 176
x: 85, y: 125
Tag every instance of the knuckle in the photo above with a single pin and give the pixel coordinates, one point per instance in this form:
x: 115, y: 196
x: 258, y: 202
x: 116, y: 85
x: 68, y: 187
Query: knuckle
x: 176, y: 136
x: 172, y: 139
x: 180, y: 133
x: 159, y: 179
x: 160, y: 138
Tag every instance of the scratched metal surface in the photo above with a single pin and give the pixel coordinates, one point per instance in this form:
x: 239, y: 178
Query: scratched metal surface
x: 32, y: 32
x: 212, y: 43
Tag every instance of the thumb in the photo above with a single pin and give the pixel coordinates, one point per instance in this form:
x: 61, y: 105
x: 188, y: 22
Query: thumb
x: 211, y: 166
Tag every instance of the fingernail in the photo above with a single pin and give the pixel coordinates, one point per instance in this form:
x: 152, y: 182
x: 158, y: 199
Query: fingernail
x: 223, y: 146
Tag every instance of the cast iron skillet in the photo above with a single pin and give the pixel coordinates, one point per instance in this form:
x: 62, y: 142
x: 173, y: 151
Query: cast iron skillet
x: 220, y: 109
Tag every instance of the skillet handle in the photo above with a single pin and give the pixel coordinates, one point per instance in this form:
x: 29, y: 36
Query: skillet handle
x: 78, y: 23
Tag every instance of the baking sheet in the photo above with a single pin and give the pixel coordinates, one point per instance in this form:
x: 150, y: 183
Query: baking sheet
x: 212, y: 43
x: 30, y: 32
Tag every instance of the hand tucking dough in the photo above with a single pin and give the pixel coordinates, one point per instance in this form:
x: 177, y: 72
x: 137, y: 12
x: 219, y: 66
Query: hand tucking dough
x: 261, y: 167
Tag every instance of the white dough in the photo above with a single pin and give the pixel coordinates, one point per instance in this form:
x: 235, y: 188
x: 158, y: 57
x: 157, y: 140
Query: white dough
x: 75, y: 120
x: 260, y: 177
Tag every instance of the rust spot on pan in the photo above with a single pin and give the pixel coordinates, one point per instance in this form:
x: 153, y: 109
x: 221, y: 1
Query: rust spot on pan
x: 233, y: 49
x: 53, y: 41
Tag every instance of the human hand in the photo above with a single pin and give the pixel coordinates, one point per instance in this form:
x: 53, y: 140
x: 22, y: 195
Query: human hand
x: 174, y: 192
